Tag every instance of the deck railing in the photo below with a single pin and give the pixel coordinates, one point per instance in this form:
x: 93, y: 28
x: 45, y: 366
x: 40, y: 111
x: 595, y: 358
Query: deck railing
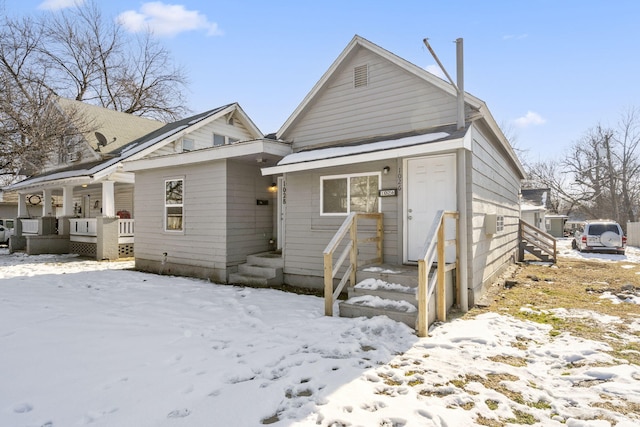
x: 434, y: 253
x: 349, y: 227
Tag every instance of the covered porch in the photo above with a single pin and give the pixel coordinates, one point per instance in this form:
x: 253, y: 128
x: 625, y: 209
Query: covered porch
x: 93, y: 219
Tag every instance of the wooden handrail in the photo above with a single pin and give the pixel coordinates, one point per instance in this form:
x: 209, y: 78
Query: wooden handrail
x: 434, y: 251
x: 540, y: 239
x: 350, y: 227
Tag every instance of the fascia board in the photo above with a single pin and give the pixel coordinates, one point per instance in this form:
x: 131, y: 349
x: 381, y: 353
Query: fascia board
x: 414, y: 150
x: 209, y: 154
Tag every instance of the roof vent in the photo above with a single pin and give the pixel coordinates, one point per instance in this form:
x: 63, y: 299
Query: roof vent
x: 361, y: 76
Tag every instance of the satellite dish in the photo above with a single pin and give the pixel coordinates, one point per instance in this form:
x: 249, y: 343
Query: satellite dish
x: 102, y: 140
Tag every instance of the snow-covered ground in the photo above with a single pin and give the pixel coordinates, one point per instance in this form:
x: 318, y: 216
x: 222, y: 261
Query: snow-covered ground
x: 92, y: 343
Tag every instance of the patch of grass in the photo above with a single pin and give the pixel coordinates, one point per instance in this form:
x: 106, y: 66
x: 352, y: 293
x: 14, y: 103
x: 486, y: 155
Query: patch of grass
x: 492, y: 404
x: 522, y: 417
x: 483, y: 421
x: 540, y: 404
x: 509, y: 360
x: 573, y: 285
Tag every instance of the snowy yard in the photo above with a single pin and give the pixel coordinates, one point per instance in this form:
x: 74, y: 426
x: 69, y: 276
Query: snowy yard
x: 89, y: 343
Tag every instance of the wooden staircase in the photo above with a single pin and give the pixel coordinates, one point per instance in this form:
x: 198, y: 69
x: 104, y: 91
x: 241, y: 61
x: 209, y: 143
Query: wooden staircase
x: 536, y: 242
x: 419, y: 301
x: 384, y: 290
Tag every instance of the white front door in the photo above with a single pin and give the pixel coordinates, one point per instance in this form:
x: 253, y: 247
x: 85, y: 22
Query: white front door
x: 430, y: 187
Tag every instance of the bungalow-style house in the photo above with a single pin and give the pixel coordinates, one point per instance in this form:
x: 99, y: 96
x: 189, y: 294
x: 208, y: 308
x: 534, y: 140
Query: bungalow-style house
x: 380, y: 135
x: 203, y: 211
x: 66, y: 207
x: 376, y: 137
x: 87, y: 202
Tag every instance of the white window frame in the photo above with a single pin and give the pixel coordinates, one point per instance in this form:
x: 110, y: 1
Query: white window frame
x: 173, y: 205
x: 189, y: 140
x: 499, y: 223
x: 348, y: 178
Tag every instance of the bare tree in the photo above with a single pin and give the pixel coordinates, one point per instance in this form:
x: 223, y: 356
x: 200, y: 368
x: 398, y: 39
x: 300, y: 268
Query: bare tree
x: 600, y: 174
x: 96, y: 61
x: 76, y: 54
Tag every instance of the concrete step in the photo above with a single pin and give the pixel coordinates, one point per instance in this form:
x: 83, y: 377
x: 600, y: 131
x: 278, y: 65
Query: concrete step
x: 258, y: 270
x: 266, y: 259
x: 371, y: 307
x: 257, y: 280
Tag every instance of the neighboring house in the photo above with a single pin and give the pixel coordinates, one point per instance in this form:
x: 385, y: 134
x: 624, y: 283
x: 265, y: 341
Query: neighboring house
x: 94, y: 209
x: 8, y: 205
x: 377, y: 122
x: 71, y: 205
x: 534, y: 205
x: 555, y: 224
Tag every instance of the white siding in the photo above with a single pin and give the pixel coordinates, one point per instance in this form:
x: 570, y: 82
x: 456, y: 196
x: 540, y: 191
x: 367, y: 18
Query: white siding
x: 395, y: 101
x: 203, y: 136
x: 308, y: 233
x: 494, y: 189
x: 203, y: 242
x: 222, y: 221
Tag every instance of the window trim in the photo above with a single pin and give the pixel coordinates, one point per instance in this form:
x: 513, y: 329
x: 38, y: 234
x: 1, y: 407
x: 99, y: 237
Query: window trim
x: 193, y: 145
x: 165, y: 205
x: 348, y: 178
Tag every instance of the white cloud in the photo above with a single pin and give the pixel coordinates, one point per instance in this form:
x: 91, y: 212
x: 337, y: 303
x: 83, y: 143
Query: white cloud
x: 59, y: 4
x: 166, y: 20
x: 515, y: 36
x: 529, y: 119
x: 436, y: 71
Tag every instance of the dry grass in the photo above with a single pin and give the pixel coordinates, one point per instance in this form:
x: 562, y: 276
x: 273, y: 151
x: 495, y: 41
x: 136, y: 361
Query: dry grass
x: 574, y: 285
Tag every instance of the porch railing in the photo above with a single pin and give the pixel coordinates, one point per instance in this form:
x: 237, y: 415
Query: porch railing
x: 84, y: 226
x: 434, y: 253
x: 89, y: 227
x: 29, y: 226
x: 349, y: 227
x: 125, y: 227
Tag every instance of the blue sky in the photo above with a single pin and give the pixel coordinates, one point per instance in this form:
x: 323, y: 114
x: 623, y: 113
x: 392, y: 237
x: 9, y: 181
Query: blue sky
x: 548, y: 70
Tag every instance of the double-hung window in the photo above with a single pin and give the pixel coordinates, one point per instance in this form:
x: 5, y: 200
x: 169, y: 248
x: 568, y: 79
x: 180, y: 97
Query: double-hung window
x: 173, y: 204
x: 343, y: 194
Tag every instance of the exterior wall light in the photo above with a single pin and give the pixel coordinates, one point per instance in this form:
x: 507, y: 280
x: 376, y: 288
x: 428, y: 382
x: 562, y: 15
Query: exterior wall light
x: 386, y: 170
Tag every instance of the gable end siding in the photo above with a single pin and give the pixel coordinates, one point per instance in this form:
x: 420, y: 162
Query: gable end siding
x: 394, y: 101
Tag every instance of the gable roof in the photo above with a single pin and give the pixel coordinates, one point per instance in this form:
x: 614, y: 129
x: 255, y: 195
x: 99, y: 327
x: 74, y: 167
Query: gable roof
x: 118, y: 128
x: 538, y: 197
x: 136, y: 149
x: 359, y: 42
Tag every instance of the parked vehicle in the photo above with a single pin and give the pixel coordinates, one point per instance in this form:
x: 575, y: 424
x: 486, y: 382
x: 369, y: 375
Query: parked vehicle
x: 570, y: 227
x: 4, y: 235
x: 600, y: 236
x: 6, y: 230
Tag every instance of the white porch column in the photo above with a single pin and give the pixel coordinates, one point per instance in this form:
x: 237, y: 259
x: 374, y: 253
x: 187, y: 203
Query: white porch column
x: 46, y: 203
x: 64, y: 226
x: 67, y: 201
x: 108, y: 199
x: 22, y: 205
